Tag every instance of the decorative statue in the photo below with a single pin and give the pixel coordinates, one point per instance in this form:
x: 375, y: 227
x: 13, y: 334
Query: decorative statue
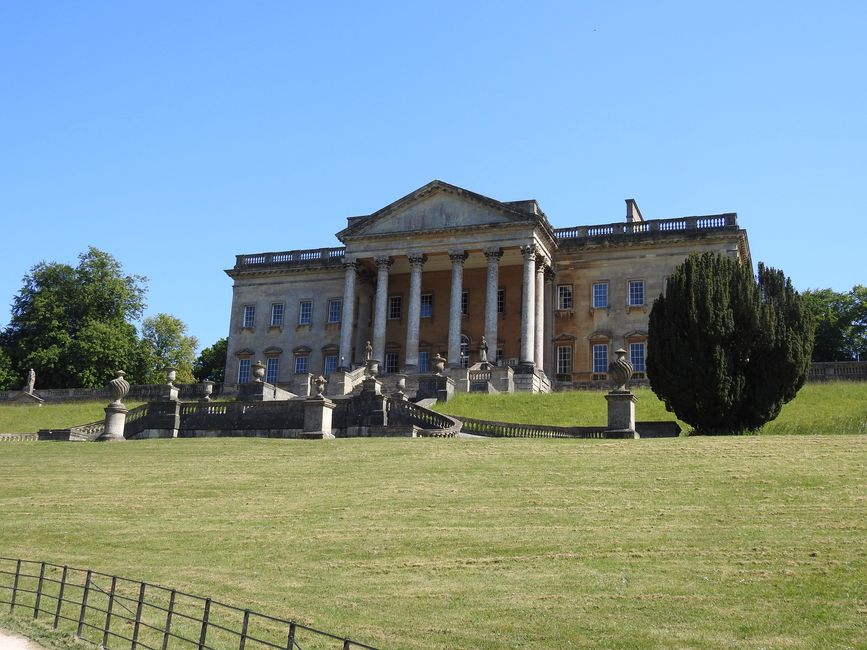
x: 483, y: 351
x: 439, y: 364
x: 119, y: 388
x: 31, y: 381
x: 319, y: 384
x: 368, y: 352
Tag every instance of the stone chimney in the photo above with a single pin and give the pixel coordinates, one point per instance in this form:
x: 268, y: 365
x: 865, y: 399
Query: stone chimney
x: 633, y: 214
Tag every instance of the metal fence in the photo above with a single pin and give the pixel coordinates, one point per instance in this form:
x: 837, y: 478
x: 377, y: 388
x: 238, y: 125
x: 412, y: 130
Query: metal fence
x: 115, y: 612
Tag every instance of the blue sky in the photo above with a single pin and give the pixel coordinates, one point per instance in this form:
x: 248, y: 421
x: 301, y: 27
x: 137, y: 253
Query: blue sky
x: 175, y: 135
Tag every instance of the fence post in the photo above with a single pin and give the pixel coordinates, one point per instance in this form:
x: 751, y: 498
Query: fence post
x: 141, y: 594
x: 15, y: 584
x: 244, y: 629
x: 84, y: 603
x: 60, y: 597
x: 171, y: 610
x: 108, y: 612
x: 346, y: 644
x: 291, y: 643
x: 204, y: 633
x: 39, y: 590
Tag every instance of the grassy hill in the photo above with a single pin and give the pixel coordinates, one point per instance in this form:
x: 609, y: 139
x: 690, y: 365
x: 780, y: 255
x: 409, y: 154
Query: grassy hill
x: 744, y: 542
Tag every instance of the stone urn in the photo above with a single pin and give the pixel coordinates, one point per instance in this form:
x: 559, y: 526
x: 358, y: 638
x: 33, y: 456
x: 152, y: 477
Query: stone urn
x: 207, y: 390
x: 171, y: 374
x: 258, y: 371
x: 119, y: 388
x: 620, y: 371
x: 319, y: 385
x: 439, y: 364
x: 372, y: 367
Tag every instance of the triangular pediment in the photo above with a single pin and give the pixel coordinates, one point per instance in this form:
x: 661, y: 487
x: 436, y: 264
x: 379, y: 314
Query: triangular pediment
x: 438, y: 206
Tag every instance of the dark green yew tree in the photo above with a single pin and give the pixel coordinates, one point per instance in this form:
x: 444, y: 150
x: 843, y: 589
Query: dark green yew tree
x: 727, y: 350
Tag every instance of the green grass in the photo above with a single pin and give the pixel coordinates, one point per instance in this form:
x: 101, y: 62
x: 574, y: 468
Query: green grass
x: 747, y: 542
x: 831, y: 408
x: 29, y: 419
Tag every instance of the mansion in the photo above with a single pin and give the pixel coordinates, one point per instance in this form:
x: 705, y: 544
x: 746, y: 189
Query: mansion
x: 444, y: 271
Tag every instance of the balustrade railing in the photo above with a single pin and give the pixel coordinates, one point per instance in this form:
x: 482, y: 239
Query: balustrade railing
x: 432, y: 424
x: 515, y: 430
x: 712, y: 222
x: 115, y: 612
x: 307, y: 256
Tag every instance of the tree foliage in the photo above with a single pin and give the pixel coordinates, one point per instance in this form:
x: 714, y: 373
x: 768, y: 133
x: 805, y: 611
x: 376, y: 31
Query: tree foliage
x: 211, y: 363
x: 841, y: 323
x: 727, y: 350
x: 165, y: 343
x: 72, y: 324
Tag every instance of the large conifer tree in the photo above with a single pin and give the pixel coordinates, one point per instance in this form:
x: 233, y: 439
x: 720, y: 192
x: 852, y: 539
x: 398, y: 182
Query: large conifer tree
x: 726, y: 351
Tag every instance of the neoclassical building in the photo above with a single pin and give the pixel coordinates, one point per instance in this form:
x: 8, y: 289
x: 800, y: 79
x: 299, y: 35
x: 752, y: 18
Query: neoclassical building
x: 447, y: 271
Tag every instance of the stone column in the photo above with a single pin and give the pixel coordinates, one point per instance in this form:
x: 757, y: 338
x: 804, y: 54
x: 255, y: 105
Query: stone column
x: 383, y: 264
x: 528, y: 304
x: 539, y: 343
x: 493, y: 255
x: 348, y: 316
x: 458, y: 258
x: 416, y: 262
x: 549, y: 322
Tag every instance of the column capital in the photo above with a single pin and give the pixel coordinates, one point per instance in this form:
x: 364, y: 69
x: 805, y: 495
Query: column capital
x: 550, y: 276
x: 458, y: 257
x: 493, y: 254
x: 530, y: 251
x: 350, y: 264
x: 416, y: 260
x: 383, y: 261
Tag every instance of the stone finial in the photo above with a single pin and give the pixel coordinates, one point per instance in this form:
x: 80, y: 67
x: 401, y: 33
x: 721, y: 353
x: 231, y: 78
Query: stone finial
x: 620, y: 371
x: 119, y: 388
x: 319, y: 385
x: 171, y: 374
x: 258, y: 369
x: 207, y: 390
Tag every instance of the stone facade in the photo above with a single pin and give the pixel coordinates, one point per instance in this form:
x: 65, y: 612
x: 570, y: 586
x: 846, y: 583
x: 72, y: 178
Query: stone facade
x: 442, y: 267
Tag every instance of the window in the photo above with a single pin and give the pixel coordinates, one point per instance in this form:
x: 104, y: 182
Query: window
x: 499, y: 358
x: 273, y: 365
x: 249, y: 315
x: 426, y: 309
x: 465, y: 302
x: 424, y: 361
x: 391, y: 359
x: 330, y: 363
x: 564, y: 296
x: 335, y: 310
x: 564, y: 359
x: 636, y: 356
x: 465, y: 352
x: 301, y: 364
x: 501, y: 301
x: 305, y: 313
x: 600, y: 295
x: 636, y: 292
x: 277, y: 309
x: 600, y: 357
x: 394, y: 307
x: 243, y: 371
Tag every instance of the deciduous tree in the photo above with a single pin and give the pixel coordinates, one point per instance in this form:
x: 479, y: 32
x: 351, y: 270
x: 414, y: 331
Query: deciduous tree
x: 166, y: 343
x: 211, y: 363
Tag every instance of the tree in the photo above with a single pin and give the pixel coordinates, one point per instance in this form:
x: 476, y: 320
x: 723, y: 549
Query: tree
x: 8, y: 380
x: 727, y: 350
x: 73, y: 324
x: 841, y: 323
x: 211, y: 363
x: 166, y: 344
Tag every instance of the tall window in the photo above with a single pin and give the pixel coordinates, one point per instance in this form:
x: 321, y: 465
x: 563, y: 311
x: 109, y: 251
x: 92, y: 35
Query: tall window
x: 564, y: 359
x: 426, y: 309
x: 394, y: 307
x: 330, y: 363
x: 465, y: 302
x: 600, y: 295
x: 636, y: 356
x: 305, y: 313
x: 277, y: 309
x: 335, y: 308
x: 600, y: 357
x: 249, y: 315
x: 391, y: 359
x: 424, y: 361
x: 273, y: 365
x: 636, y: 292
x: 465, y: 352
x: 501, y: 301
x: 564, y: 296
x: 243, y: 371
x: 301, y: 364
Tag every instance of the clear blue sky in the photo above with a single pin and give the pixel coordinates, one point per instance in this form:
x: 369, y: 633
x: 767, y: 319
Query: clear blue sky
x: 175, y: 135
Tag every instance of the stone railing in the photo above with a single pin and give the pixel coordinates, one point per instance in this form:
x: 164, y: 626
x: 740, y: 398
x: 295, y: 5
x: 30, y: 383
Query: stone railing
x: 137, y: 392
x: 838, y: 370
x: 312, y: 256
x: 683, y: 224
x: 80, y: 433
x: 19, y: 437
x: 515, y: 430
x: 431, y: 423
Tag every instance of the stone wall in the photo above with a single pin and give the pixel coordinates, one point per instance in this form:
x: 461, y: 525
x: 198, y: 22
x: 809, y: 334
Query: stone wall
x: 137, y: 393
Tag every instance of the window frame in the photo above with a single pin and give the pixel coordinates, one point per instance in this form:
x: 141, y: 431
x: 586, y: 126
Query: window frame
x: 643, y: 365
x: 603, y: 286
x: 271, y: 374
x: 243, y: 371
x: 395, y: 307
x: 335, y: 305
x: 426, y: 300
x: 465, y: 302
x: 561, y: 368
x: 278, y: 314
x: 391, y: 362
x: 501, y: 300
x: 326, y: 363
x: 603, y: 358
x: 305, y: 316
x: 424, y: 361
x: 629, y: 286
x: 302, y: 360
x: 248, y: 317
x: 563, y: 299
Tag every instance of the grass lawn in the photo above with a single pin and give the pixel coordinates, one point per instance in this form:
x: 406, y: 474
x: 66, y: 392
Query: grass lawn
x: 29, y: 419
x: 749, y: 542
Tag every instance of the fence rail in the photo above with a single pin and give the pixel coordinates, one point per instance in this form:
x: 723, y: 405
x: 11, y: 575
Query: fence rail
x: 431, y: 423
x: 114, y: 612
x: 514, y: 430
